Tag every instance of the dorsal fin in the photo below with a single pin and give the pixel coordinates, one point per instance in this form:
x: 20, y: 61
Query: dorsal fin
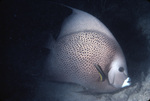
x: 82, y: 21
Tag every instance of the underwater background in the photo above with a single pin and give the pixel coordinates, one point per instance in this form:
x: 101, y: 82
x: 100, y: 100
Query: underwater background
x: 24, y: 30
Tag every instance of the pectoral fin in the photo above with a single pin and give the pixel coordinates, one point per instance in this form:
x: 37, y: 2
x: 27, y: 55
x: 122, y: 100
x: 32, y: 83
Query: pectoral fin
x: 101, y: 73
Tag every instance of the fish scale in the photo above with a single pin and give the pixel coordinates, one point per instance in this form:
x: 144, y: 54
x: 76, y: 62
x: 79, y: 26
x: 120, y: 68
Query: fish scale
x: 77, y: 53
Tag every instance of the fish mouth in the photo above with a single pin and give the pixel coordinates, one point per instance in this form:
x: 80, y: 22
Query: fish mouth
x: 127, y: 82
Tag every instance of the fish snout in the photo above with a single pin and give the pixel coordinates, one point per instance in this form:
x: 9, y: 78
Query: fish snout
x: 127, y: 82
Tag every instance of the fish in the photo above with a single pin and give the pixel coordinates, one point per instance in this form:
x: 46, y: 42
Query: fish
x: 86, y: 53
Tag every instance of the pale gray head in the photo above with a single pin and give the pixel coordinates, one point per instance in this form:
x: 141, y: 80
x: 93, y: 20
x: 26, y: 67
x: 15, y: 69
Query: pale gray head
x: 118, y: 76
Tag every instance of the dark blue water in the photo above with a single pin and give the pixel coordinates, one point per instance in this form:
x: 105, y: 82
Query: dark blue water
x: 25, y: 28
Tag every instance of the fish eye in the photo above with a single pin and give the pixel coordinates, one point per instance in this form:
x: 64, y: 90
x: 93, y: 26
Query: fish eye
x: 121, y: 69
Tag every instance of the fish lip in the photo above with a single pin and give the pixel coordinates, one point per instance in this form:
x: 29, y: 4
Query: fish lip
x: 127, y: 82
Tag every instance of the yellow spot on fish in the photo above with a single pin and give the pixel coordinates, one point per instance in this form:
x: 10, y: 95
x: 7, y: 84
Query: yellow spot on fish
x: 101, y: 77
